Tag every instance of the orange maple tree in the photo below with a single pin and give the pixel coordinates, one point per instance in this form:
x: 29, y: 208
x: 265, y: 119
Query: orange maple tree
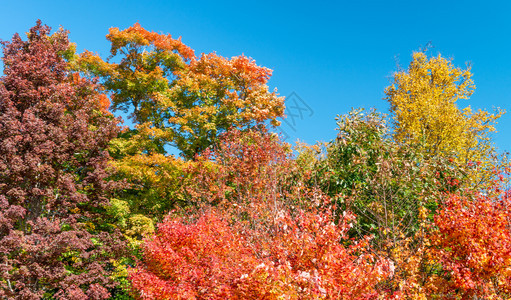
x: 186, y: 100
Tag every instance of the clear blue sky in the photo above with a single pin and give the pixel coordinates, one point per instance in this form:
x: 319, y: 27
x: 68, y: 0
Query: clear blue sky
x: 333, y: 55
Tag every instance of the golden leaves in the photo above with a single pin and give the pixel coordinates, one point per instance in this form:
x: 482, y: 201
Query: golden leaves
x: 423, y: 101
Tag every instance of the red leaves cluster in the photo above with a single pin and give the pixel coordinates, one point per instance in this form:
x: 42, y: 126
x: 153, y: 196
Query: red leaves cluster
x: 253, y: 237
x: 212, y: 259
x: 245, y: 167
x: 204, y: 258
x: 474, y: 243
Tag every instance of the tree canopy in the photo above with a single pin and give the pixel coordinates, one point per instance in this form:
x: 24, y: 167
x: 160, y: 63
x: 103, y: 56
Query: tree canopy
x: 185, y: 100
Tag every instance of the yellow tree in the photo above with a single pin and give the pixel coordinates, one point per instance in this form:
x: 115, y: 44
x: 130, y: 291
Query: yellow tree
x: 423, y: 102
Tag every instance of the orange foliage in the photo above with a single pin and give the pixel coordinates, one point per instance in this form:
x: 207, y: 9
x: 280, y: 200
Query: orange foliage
x: 256, y: 233
x: 137, y: 34
x: 192, y: 100
x: 473, y: 244
x: 299, y: 258
x: 104, y: 103
x: 184, y: 261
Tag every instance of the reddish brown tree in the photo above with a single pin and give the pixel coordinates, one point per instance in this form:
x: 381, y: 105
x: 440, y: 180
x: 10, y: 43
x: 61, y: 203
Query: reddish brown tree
x: 53, y: 137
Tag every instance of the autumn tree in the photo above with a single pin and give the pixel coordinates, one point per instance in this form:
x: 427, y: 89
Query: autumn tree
x: 249, y: 165
x: 178, y: 98
x: 424, y: 105
x: 175, y: 99
x: 54, y: 132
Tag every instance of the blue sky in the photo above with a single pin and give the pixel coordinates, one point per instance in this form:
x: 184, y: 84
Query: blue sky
x: 331, y: 55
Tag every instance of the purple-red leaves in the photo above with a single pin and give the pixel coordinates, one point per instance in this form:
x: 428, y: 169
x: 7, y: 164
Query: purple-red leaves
x: 53, y: 137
